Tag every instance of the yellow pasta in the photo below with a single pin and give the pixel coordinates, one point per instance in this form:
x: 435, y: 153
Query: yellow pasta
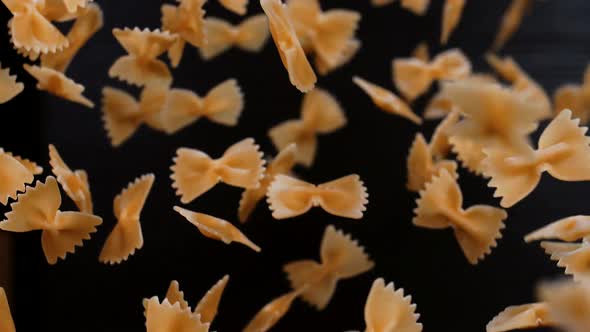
x: 320, y: 114
x: 38, y: 209
x: 575, y: 97
x: 186, y: 20
x: 440, y: 206
x: 520, y: 317
x: 167, y: 317
x: 216, y: 228
x: 250, y: 35
x: 341, y: 258
x: 9, y: 87
x: 422, y: 167
x: 15, y: 175
x: 6, y: 322
x: 573, y: 257
x: 350, y: 50
x: 418, y: 7
x: 388, y: 310
x: 74, y: 183
x: 567, y: 229
x: 301, y: 75
x: 470, y: 153
x: 239, y: 7
x: 195, y: 173
x: 58, y: 11
x: 452, y: 13
x: 440, y: 144
x: 511, y: 22
x: 569, y: 304
x: 29, y: 165
x: 272, y: 312
x: 126, y: 237
x: 56, y: 83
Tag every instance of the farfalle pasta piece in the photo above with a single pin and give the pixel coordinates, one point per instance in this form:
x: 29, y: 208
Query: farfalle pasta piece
x: 320, y: 114
x: 216, y: 228
x: 188, y: 21
x: 250, y: 35
x: 239, y: 7
x: 57, y: 11
x: 167, y: 317
x: 301, y: 75
x: 452, y: 13
x: 223, y: 105
x: 344, y: 197
x: 519, y: 317
x: 469, y: 153
x: 573, y: 257
x: 387, y: 100
x: 195, y: 173
x: 575, y: 97
x: 6, y: 322
x: 511, y: 22
x: 440, y: 206
x: 141, y: 65
x: 440, y: 142
x: 127, y: 237
x: 9, y: 87
x: 272, y: 312
x: 388, y: 310
x: 15, y: 175
x: 422, y: 166
x: 281, y: 164
x: 74, y: 183
x: 83, y: 29
x: 341, y: 258
x: 58, y: 84
x: 352, y: 47
x: 414, y: 77
x: 563, y: 151
x: 569, y: 304
x: 123, y: 115
x: 38, y: 209
x: 28, y: 164
x: 568, y: 229
x: 418, y: 7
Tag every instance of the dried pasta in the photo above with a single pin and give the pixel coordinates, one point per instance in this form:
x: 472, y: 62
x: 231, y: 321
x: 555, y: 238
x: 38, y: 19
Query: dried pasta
x: 187, y: 20
x: 422, y: 166
x: 6, y: 322
x: 28, y: 164
x: 38, y: 209
x: 58, y: 11
x: 521, y: 317
x: 195, y: 173
x: 569, y: 304
x: 388, y: 310
x: 452, y: 13
x: 239, y: 7
x: 216, y: 228
x: 56, y: 83
x: 74, y: 183
x: 511, y: 22
x: 126, y: 237
x: 15, y: 175
x: 418, y: 7
x: 573, y: 257
x: 440, y: 206
x: 575, y: 97
x: 348, y: 53
x: 9, y: 87
x: 341, y: 258
x: 440, y: 144
x: 250, y: 35
x: 166, y: 317
x: 345, y: 197
x: 272, y: 312
x: 568, y: 229
x: 320, y: 114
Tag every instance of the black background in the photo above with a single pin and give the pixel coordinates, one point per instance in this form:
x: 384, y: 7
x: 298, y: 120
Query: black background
x: 80, y: 294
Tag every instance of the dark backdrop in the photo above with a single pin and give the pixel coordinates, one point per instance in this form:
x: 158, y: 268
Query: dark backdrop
x: 80, y: 294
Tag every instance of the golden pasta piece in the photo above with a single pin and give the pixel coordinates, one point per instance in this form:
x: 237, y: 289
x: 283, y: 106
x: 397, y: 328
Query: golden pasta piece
x: 569, y: 304
x: 30, y: 165
x: 440, y: 144
x: 250, y: 35
x: 352, y: 47
x: 195, y: 173
x: 344, y: 197
x: 292, y: 55
x: 282, y: 164
x: 271, y: 313
x: 216, y: 228
x: 414, y: 77
x: 186, y: 20
x: 563, y: 152
x: 141, y: 66
x: 511, y: 22
x: 452, y: 13
x: 575, y: 97
x: 123, y: 115
x: 341, y: 258
x: 421, y: 52
x: 418, y: 7
x: 567, y: 229
x: 422, y: 167
x: 469, y: 153
x: 58, y: 84
x: 83, y: 29
x: 388, y: 310
x: 387, y: 100
x: 239, y: 7
x: 9, y: 87
x: 14, y: 175
x: 58, y: 11
x: 6, y: 322
x: 320, y: 114
x: 223, y: 105
x: 525, y: 316
x: 74, y: 183
x: 573, y: 257
x: 38, y: 209
x: 440, y: 206
x: 126, y: 236
x: 166, y: 317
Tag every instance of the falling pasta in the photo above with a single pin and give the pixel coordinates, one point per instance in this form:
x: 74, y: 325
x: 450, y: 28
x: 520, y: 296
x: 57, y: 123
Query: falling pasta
x: 74, y: 183
x: 250, y: 35
x: 164, y: 316
x: 9, y: 87
x: 6, y: 323
x: 15, y: 175
x: 521, y: 317
x: 452, y: 13
x: 422, y: 166
x: 567, y: 229
x: 186, y: 20
x: 58, y: 84
x: 272, y: 312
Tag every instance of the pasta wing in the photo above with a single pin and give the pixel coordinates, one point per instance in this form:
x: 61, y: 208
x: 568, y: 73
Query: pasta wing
x: 9, y: 87
x: 345, y: 197
x: 567, y: 229
x: 208, y: 305
x: 14, y: 177
x: 289, y: 197
x: 387, y: 309
x: 271, y: 313
x: 520, y: 317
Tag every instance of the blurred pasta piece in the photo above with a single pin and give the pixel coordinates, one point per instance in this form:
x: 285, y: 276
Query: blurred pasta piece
x: 58, y: 84
x: 250, y: 35
x: 574, y: 97
x: 422, y: 166
x: 272, y: 312
x: 452, y: 12
x: 569, y: 304
x: 521, y: 317
x: 188, y: 22
x: 511, y: 22
x: 9, y: 87
x: 418, y: 7
x: 6, y: 322
x: 74, y: 183
x: 568, y: 229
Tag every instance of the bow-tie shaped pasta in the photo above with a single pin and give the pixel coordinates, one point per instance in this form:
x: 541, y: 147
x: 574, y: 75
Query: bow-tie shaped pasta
x: 223, y: 105
x: 56, y: 83
x: 388, y: 310
x: 418, y: 7
x: 38, y: 209
x: 563, y: 152
x: 272, y: 312
x: 195, y: 173
x: 250, y: 35
x: 344, y: 197
x: 9, y: 87
x: 476, y: 228
x: 526, y: 316
x: 301, y: 75
x: 387, y: 100
x: 320, y: 114
x: 123, y: 115
x: 186, y: 20
x: 575, y: 97
x: 352, y: 47
x: 511, y: 22
x: 341, y: 258
x: 422, y: 166
x: 216, y: 228
x: 569, y: 304
x: 83, y: 29
x: 281, y: 164
x: 58, y: 11
x: 16, y: 172
x: 43, y: 38
x: 141, y: 65
x: 126, y: 236
x: 167, y: 317
x: 440, y: 142
x: 567, y: 229
x: 74, y: 183
x: 574, y: 257
x: 452, y: 13
x: 6, y: 322
x: 414, y: 77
